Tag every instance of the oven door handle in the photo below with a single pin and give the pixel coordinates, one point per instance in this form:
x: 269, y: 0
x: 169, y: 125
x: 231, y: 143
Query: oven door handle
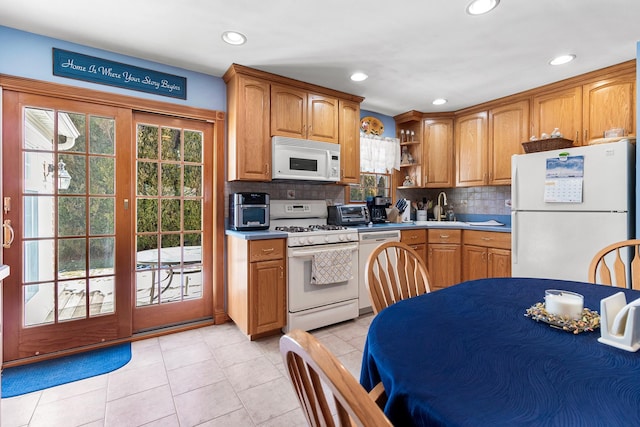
x: 307, y: 252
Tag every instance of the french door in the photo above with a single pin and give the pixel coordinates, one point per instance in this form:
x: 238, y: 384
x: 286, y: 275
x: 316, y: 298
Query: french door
x: 173, y: 225
x: 65, y: 166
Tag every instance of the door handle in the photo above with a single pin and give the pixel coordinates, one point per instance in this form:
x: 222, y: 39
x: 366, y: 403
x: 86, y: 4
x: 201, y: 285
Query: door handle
x: 8, y: 234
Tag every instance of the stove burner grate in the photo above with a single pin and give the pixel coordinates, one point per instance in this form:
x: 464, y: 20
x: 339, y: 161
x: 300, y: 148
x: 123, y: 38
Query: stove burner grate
x: 315, y: 227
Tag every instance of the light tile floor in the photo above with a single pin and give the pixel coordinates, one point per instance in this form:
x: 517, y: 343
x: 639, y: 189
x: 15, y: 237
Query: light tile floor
x: 212, y: 376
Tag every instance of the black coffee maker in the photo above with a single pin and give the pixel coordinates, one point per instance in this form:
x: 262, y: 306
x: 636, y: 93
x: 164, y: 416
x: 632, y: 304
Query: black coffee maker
x: 378, y: 208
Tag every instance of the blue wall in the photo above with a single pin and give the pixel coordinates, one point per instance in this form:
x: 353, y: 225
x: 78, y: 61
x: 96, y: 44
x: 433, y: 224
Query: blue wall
x: 28, y: 55
x: 387, y: 121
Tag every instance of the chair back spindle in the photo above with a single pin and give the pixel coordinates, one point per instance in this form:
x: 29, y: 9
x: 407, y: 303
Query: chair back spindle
x: 393, y: 272
x: 617, y: 264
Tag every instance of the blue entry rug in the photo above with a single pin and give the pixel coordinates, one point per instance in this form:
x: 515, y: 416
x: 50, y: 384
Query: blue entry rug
x: 49, y: 373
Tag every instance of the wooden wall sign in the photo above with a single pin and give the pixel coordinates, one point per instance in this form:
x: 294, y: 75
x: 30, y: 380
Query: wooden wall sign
x: 96, y: 70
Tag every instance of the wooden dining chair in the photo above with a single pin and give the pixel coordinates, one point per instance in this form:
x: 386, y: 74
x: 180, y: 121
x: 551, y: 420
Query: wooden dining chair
x: 393, y: 272
x: 620, y: 258
x: 311, y: 365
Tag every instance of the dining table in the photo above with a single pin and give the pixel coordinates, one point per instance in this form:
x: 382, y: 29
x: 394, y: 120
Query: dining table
x: 468, y: 356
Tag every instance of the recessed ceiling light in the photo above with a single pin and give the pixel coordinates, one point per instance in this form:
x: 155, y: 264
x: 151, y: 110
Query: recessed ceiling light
x: 479, y: 7
x: 439, y: 101
x: 233, y: 37
x: 562, y: 59
x: 358, y: 77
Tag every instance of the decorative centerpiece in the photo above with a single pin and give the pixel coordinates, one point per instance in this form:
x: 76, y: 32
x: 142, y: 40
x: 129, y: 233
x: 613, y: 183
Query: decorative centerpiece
x: 564, y: 310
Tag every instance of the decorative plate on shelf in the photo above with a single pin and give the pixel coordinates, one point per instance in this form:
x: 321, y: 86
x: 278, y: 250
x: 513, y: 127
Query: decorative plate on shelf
x: 371, y: 126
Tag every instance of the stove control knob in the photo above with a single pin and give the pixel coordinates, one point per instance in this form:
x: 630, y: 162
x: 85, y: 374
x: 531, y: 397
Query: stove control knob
x: 326, y: 239
x: 310, y: 240
x: 294, y: 241
x: 342, y: 237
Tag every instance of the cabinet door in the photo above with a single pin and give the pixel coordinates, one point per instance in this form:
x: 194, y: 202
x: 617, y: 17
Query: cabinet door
x: 349, y: 140
x: 609, y: 104
x: 267, y: 296
x: 438, y: 153
x: 508, y: 129
x: 249, y: 142
x: 474, y: 262
x: 471, y: 150
x: 499, y: 262
x: 562, y: 110
x: 288, y: 112
x: 444, y: 265
x: 421, y: 249
x: 322, y: 118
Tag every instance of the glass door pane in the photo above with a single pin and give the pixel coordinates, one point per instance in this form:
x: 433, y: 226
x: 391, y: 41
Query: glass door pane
x: 68, y: 215
x: 169, y: 214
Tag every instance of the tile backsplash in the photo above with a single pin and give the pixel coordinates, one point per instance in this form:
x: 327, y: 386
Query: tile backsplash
x: 466, y: 200
x: 283, y: 190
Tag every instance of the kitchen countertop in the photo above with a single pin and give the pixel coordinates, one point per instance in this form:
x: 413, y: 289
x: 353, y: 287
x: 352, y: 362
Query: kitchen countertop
x: 462, y: 223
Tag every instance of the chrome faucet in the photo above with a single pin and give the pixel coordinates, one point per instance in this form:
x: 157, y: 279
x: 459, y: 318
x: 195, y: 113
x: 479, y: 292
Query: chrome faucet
x: 442, y: 196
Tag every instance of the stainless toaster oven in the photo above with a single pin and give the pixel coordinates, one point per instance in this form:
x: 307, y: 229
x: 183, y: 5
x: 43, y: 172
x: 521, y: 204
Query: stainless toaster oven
x: 348, y: 215
x: 249, y: 211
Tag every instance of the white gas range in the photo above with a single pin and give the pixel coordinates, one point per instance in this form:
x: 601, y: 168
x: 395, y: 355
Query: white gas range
x: 322, y: 265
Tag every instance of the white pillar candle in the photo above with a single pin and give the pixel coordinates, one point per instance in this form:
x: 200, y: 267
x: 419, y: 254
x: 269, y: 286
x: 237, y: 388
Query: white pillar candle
x: 564, y: 303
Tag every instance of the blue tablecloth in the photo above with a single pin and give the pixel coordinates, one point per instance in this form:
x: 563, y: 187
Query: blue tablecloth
x: 467, y: 356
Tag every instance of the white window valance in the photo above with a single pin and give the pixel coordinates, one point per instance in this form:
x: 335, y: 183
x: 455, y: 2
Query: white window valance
x: 378, y: 154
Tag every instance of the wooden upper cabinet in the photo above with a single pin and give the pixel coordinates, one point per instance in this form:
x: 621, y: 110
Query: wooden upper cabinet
x: 508, y: 129
x: 288, y: 111
x: 560, y: 109
x: 249, y: 139
x: 471, y: 149
x: 609, y: 104
x: 437, y: 142
x: 322, y: 120
x: 349, y: 128
x: 300, y: 114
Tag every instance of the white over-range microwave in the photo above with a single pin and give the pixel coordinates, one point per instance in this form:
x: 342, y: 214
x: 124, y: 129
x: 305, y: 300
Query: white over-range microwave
x: 306, y: 160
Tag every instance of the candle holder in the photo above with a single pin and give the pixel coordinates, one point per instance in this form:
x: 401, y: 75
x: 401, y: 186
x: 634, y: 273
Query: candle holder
x: 620, y: 322
x: 564, y: 303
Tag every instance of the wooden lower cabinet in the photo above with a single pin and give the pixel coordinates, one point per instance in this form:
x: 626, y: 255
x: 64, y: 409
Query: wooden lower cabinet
x: 256, y: 284
x: 444, y: 257
x: 486, y: 254
x: 417, y: 240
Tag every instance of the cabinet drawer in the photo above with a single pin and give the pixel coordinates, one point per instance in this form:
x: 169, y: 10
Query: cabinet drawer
x: 445, y: 236
x: 412, y: 237
x: 488, y: 239
x: 263, y: 250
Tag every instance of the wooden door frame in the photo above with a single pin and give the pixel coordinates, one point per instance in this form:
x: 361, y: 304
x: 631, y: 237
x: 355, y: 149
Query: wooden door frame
x: 25, y: 85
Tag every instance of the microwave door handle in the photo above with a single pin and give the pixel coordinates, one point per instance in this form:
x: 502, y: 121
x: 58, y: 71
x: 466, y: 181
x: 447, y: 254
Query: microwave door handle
x: 328, y: 171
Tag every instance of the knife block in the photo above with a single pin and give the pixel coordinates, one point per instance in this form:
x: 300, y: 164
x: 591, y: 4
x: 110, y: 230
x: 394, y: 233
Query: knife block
x: 629, y: 339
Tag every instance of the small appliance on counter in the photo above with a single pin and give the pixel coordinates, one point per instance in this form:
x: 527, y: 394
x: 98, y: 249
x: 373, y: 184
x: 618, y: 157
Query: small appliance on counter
x: 249, y: 211
x: 348, y: 215
x: 378, y: 209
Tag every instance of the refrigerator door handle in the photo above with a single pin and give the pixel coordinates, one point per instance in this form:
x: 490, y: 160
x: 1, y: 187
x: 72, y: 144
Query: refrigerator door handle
x: 514, y: 185
x: 514, y: 238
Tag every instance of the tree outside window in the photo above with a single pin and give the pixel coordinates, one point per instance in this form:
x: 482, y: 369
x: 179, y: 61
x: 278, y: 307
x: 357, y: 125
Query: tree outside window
x: 371, y: 185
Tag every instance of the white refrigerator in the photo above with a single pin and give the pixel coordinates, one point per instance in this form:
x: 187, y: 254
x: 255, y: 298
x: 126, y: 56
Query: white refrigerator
x: 561, y: 216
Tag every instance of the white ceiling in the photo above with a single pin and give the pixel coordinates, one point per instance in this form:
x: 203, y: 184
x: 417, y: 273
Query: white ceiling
x: 412, y: 50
